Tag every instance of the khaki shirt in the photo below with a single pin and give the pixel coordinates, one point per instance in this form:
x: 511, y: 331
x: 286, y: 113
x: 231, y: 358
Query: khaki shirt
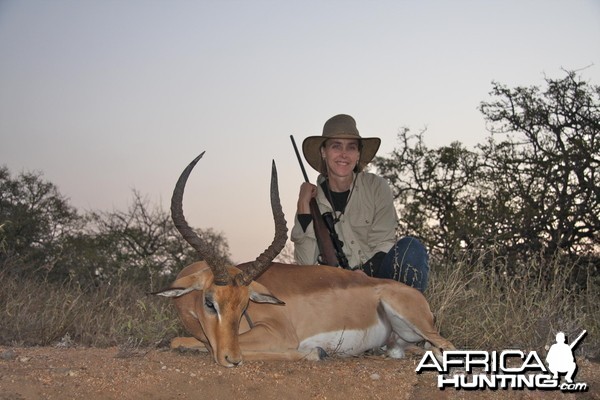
x: 367, y: 226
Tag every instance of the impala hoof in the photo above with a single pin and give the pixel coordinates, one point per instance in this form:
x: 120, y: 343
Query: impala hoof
x: 322, y: 353
x: 316, y: 354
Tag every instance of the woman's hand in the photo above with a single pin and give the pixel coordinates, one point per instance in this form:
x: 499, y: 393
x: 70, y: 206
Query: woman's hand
x: 307, y: 192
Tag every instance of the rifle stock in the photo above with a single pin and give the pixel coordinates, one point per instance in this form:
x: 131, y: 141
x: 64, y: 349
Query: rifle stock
x: 327, y: 251
x: 328, y: 255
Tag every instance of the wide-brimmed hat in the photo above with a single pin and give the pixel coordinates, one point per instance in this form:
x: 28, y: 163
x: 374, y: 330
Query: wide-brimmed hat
x: 341, y: 126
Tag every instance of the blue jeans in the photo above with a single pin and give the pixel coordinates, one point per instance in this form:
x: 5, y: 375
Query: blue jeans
x: 407, y: 262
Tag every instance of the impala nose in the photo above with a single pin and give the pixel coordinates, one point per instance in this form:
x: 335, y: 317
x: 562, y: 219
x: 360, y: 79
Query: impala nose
x: 234, y: 362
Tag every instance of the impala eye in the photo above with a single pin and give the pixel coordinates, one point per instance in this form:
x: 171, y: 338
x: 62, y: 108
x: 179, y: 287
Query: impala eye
x: 210, y: 305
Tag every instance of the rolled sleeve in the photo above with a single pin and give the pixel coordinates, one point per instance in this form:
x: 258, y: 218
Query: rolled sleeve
x: 305, y: 243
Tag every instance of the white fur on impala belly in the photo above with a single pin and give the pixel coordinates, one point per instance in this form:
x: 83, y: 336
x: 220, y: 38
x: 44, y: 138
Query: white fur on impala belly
x: 348, y: 342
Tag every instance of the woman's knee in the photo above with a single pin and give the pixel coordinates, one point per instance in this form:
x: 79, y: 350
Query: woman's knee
x: 410, y: 262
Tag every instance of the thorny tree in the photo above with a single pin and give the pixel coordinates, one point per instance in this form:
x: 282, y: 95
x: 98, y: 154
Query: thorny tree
x: 532, y: 188
x: 546, y: 167
x: 43, y: 236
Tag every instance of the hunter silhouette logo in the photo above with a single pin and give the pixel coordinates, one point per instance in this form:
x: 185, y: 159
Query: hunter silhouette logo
x: 560, y: 357
x: 507, y: 369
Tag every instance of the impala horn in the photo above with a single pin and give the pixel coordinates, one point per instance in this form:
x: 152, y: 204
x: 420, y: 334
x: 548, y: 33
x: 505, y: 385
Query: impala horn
x: 265, y: 260
x: 220, y: 273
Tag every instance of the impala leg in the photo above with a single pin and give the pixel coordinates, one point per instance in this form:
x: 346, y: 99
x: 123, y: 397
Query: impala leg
x: 191, y: 343
x: 406, y: 335
x: 188, y: 343
x: 286, y: 355
x: 411, y: 321
x: 274, y: 341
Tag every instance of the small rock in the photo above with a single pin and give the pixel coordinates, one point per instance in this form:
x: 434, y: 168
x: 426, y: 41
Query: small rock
x: 375, y: 377
x: 8, y: 355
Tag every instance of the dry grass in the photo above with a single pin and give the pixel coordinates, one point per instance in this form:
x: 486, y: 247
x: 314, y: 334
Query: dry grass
x: 474, y: 308
x: 41, y: 313
x: 479, y: 309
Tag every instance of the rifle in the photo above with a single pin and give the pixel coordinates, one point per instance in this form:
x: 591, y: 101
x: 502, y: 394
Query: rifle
x: 574, y: 342
x: 330, y: 246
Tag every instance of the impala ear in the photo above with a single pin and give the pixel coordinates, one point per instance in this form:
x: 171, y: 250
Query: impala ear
x: 260, y: 294
x: 189, y: 283
x: 173, y: 292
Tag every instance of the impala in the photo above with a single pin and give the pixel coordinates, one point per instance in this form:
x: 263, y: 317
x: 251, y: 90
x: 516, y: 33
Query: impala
x: 292, y: 312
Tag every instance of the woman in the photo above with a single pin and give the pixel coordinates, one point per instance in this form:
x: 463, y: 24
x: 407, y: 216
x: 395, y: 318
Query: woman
x: 361, y: 203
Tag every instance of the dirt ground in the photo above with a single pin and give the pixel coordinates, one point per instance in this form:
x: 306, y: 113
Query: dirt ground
x: 91, y: 373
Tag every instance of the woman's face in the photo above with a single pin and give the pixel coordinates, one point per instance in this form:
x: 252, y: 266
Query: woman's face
x: 341, y: 156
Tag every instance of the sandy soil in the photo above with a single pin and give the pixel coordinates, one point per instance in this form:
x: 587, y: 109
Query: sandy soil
x: 91, y: 373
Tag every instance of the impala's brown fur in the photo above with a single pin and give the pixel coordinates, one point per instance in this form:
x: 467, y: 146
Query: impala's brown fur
x: 296, y: 312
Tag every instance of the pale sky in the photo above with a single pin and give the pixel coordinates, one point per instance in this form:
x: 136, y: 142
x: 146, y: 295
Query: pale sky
x: 107, y: 96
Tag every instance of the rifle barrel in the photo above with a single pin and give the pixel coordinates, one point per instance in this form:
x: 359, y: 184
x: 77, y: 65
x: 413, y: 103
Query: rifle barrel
x: 299, y: 159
